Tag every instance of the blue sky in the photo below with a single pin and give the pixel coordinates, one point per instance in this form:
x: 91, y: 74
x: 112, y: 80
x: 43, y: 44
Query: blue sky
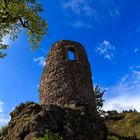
x: 110, y: 32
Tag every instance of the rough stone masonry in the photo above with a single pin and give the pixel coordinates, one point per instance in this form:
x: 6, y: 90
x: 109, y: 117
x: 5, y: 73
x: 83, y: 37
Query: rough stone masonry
x: 67, y: 82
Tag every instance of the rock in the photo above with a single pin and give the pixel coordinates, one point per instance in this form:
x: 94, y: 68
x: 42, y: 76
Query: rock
x: 30, y: 121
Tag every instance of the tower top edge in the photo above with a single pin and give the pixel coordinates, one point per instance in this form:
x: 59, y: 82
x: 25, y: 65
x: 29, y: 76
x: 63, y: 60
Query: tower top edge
x: 67, y: 42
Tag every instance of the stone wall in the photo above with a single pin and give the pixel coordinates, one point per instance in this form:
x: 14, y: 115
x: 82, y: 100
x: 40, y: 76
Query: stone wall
x: 67, y: 82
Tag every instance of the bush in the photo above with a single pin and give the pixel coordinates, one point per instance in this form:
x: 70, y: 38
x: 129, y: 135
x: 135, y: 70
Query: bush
x: 3, y: 130
x: 51, y: 136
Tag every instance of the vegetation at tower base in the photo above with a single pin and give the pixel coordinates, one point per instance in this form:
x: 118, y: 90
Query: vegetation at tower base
x: 50, y: 136
x: 121, y: 126
x: 16, y: 15
x: 31, y: 121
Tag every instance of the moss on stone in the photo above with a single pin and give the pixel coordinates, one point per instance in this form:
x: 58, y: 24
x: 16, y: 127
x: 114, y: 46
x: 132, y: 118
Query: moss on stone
x: 24, y: 120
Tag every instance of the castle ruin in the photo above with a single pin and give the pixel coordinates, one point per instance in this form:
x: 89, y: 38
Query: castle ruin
x: 67, y: 82
x: 67, y: 101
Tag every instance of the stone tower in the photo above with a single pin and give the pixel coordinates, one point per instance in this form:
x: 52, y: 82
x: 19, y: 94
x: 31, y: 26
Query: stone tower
x: 67, y: 101
x: 64, y: 81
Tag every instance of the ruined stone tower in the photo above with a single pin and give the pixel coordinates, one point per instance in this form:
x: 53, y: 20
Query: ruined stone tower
x: 67, y: 101
x: 64, y: 81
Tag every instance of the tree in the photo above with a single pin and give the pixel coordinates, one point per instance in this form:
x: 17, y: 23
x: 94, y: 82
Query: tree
x: 99, y: 99
x: 16, y: 15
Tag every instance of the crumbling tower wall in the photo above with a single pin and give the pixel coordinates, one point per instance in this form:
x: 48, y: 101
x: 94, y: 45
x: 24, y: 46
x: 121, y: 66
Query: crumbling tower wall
x: 65, y: 82
x: 67, y: 101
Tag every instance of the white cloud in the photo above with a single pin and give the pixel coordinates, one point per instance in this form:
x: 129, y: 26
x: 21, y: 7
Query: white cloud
x: 79, y: 6
x: 6, y: 40
x: 1, y: 106
x: 94, y: 10
x: 4, y: 119
x: 136, y: 50
x: 106, y: 49
x: 126, y: 93
x: 40, y: 60
x: 80, y: 24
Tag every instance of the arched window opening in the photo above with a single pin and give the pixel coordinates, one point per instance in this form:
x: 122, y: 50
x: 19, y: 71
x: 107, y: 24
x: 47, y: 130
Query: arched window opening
x: 71, y: 54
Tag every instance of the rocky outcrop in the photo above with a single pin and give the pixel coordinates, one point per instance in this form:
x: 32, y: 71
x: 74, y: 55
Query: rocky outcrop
x: 30, y: 121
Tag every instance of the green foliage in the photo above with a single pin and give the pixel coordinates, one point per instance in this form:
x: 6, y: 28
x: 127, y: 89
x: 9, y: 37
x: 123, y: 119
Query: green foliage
x: 51, y: 136
x: 3, y: 130
x: 83, y: 113
x: 113, y: 115
x: 16, y: 15
x: 134, y: 120
x: 99, y: 99
x: 112, y: 138
x: 126, y: 124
